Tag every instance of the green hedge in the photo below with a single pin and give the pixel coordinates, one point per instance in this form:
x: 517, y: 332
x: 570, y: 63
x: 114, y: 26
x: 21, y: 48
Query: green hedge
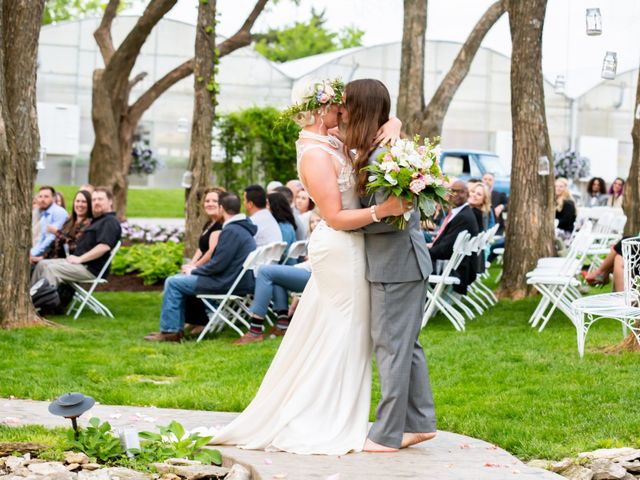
x: 151, y: 262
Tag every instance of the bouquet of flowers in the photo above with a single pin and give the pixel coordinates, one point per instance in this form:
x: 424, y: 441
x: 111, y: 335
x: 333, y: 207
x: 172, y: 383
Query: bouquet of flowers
x: 571, y: 165
x: 410, y: 170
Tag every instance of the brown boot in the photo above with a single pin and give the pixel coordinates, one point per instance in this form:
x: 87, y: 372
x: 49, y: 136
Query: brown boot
x: 249, y: 338
x: 164, y: 337
x: 276, y: 332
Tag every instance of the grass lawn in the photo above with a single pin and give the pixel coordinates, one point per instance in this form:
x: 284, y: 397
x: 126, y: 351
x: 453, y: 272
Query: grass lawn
x: 525, y: 391
x: 143, y: 202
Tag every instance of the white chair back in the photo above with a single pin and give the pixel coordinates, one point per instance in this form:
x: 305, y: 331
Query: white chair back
x: 631, y: 256
x: 296, y: 250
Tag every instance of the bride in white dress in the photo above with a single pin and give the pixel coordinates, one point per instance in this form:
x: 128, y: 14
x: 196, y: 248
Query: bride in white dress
x: 315, y: 397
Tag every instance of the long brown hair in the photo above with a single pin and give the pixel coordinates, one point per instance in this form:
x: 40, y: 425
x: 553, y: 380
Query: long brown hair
x: 368, y: 104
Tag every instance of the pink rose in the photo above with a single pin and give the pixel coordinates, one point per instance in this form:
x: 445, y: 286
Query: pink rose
x: 422, y: 149
x: 387, y: 157
x: 329, y: 90
x: 324, y: 98
x: 416, y: 186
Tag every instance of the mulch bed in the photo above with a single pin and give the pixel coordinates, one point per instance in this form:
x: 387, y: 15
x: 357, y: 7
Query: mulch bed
x: 128, y: 283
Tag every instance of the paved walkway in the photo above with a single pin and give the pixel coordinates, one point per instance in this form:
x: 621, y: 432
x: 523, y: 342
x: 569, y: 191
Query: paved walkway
x: 448, y: 457
x: 157, y: 222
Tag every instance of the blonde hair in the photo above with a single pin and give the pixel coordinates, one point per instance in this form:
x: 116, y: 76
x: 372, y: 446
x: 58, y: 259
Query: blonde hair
x: 485, y: 208
x: 564, y: 196
x: 299, y: 93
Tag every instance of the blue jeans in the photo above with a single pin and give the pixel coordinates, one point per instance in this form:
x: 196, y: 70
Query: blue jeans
x: 176, y: 288
x: 273, y: 283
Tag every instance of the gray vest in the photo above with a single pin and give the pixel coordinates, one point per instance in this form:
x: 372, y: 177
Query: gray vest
x: 395, y: 256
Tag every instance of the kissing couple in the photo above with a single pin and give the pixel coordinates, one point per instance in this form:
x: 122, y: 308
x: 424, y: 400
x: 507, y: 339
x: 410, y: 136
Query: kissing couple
x: 367, y: 291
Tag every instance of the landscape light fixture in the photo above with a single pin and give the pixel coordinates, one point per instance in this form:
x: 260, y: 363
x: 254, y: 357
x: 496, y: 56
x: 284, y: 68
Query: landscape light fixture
x: 594, y: 22
x: 559, y: 84
x: 543, y: 165
x: 609, y: 66
x: 42, y: 156
x: 71, y: 405
x: 187, y: 179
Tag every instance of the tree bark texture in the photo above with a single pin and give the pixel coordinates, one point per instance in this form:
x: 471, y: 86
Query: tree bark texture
x: 432, y: 116
x: 114, y: 120
x: 411, y: 94
x: 631, y: 197
x: 202, y: 123
x: 530, y: 231
x: 19, y: 145
x: 428, y: 120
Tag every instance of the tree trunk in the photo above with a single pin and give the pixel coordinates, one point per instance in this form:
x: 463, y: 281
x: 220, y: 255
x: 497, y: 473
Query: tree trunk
x: 432, y: 117
x: 531, y: 204
x: 202, y: 124
x: 631, y: 197
x: 411, y: 94
x: 114, y: 120
x: 19, y: 145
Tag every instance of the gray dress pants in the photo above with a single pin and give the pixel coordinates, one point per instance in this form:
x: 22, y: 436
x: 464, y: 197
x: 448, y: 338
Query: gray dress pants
x: 406, y: 403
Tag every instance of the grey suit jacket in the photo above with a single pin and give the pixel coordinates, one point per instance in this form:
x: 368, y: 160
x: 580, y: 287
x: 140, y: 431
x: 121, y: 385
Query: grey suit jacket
x: 393, y: 255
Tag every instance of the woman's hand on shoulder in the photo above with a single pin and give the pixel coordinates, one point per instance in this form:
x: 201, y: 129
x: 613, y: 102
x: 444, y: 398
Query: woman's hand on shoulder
x: 389, y: 133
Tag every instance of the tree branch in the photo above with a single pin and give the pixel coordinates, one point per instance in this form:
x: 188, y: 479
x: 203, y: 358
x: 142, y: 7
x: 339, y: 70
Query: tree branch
x: 103, y: 32
x: 147, y: 98
x: 117, y: 71
x: 437, y: 108
x: 135, y: 80
x: 242, y: 37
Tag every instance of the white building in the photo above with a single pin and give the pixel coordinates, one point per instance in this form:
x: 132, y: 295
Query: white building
x: 597, y: 120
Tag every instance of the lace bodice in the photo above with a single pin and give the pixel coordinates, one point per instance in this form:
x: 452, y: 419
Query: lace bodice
x: 346, y: 175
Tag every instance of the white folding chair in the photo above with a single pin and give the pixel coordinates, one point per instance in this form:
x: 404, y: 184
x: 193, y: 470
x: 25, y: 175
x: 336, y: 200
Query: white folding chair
x: 621, y: 306
x: 85, y: 297
x: 274, y: 252
x: 228, y: 308
x: 437, y: 284
x: 296, y: 250
x: 556, y: 280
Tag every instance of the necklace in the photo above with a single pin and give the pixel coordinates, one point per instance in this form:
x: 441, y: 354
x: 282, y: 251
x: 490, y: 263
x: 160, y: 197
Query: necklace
x: 319, y: 138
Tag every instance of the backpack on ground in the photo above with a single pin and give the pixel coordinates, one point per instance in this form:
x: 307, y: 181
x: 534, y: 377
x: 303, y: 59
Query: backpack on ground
x: 44, y: 296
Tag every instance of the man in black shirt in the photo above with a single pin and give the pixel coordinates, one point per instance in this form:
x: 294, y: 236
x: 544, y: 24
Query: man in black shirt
x: 92, y: 250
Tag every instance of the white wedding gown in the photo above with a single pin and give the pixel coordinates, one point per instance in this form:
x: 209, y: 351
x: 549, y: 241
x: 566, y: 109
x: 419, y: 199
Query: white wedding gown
x: 316, y: 394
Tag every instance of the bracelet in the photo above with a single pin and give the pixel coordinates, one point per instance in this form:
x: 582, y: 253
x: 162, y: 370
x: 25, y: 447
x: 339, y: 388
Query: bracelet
x: 373, y: 214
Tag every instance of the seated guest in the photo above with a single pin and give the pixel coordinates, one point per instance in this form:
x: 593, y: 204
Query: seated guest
x: 50, y: 214
x: 281, y: 211
x: 67, y: 237
x: 210, y: 230
x: 272, y: 185
x: 300, y: 228
x: 236, y: 242
x: 273, y: 284
x: 459, y: 218
x: 304, y: 205
x: 295, y: 186
x: 480, y: 203
x: 59, y: 199
x: 92, y: 250
x: 596, y: 193
x: 615, y: 193
x: 565, y: 209
x: 498, y: 200
x: 255, y: 203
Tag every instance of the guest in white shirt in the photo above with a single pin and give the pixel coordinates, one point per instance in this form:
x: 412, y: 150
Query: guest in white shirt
x: 255, y: 203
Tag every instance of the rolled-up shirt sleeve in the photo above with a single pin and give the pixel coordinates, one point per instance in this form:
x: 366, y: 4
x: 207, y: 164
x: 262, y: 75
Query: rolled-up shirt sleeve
x: 55, y: 217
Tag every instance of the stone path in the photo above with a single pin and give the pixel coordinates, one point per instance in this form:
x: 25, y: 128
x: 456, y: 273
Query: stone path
x: 449, y: 457
x: 157, y: 222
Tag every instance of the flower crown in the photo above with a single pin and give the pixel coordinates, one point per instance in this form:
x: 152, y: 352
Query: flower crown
x: 326, y: 92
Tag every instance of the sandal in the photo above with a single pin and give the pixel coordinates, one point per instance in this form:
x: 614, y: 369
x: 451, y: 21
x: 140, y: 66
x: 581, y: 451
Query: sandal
x: 599, y: 279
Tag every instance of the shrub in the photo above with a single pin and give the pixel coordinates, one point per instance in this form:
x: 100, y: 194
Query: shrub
x: 152, y: 262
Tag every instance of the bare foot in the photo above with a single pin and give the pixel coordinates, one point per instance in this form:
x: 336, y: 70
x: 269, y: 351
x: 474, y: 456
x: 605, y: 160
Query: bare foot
x: 370, y: 446
x: 409, y: 439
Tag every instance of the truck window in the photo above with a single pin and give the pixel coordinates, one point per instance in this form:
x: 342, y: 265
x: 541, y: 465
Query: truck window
x: 474, y: 167
x: 453, y: 166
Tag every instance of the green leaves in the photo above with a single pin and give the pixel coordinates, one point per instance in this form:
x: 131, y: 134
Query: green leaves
x: 306, y: 38
x: 97, y: 441
x: 153, y: 262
